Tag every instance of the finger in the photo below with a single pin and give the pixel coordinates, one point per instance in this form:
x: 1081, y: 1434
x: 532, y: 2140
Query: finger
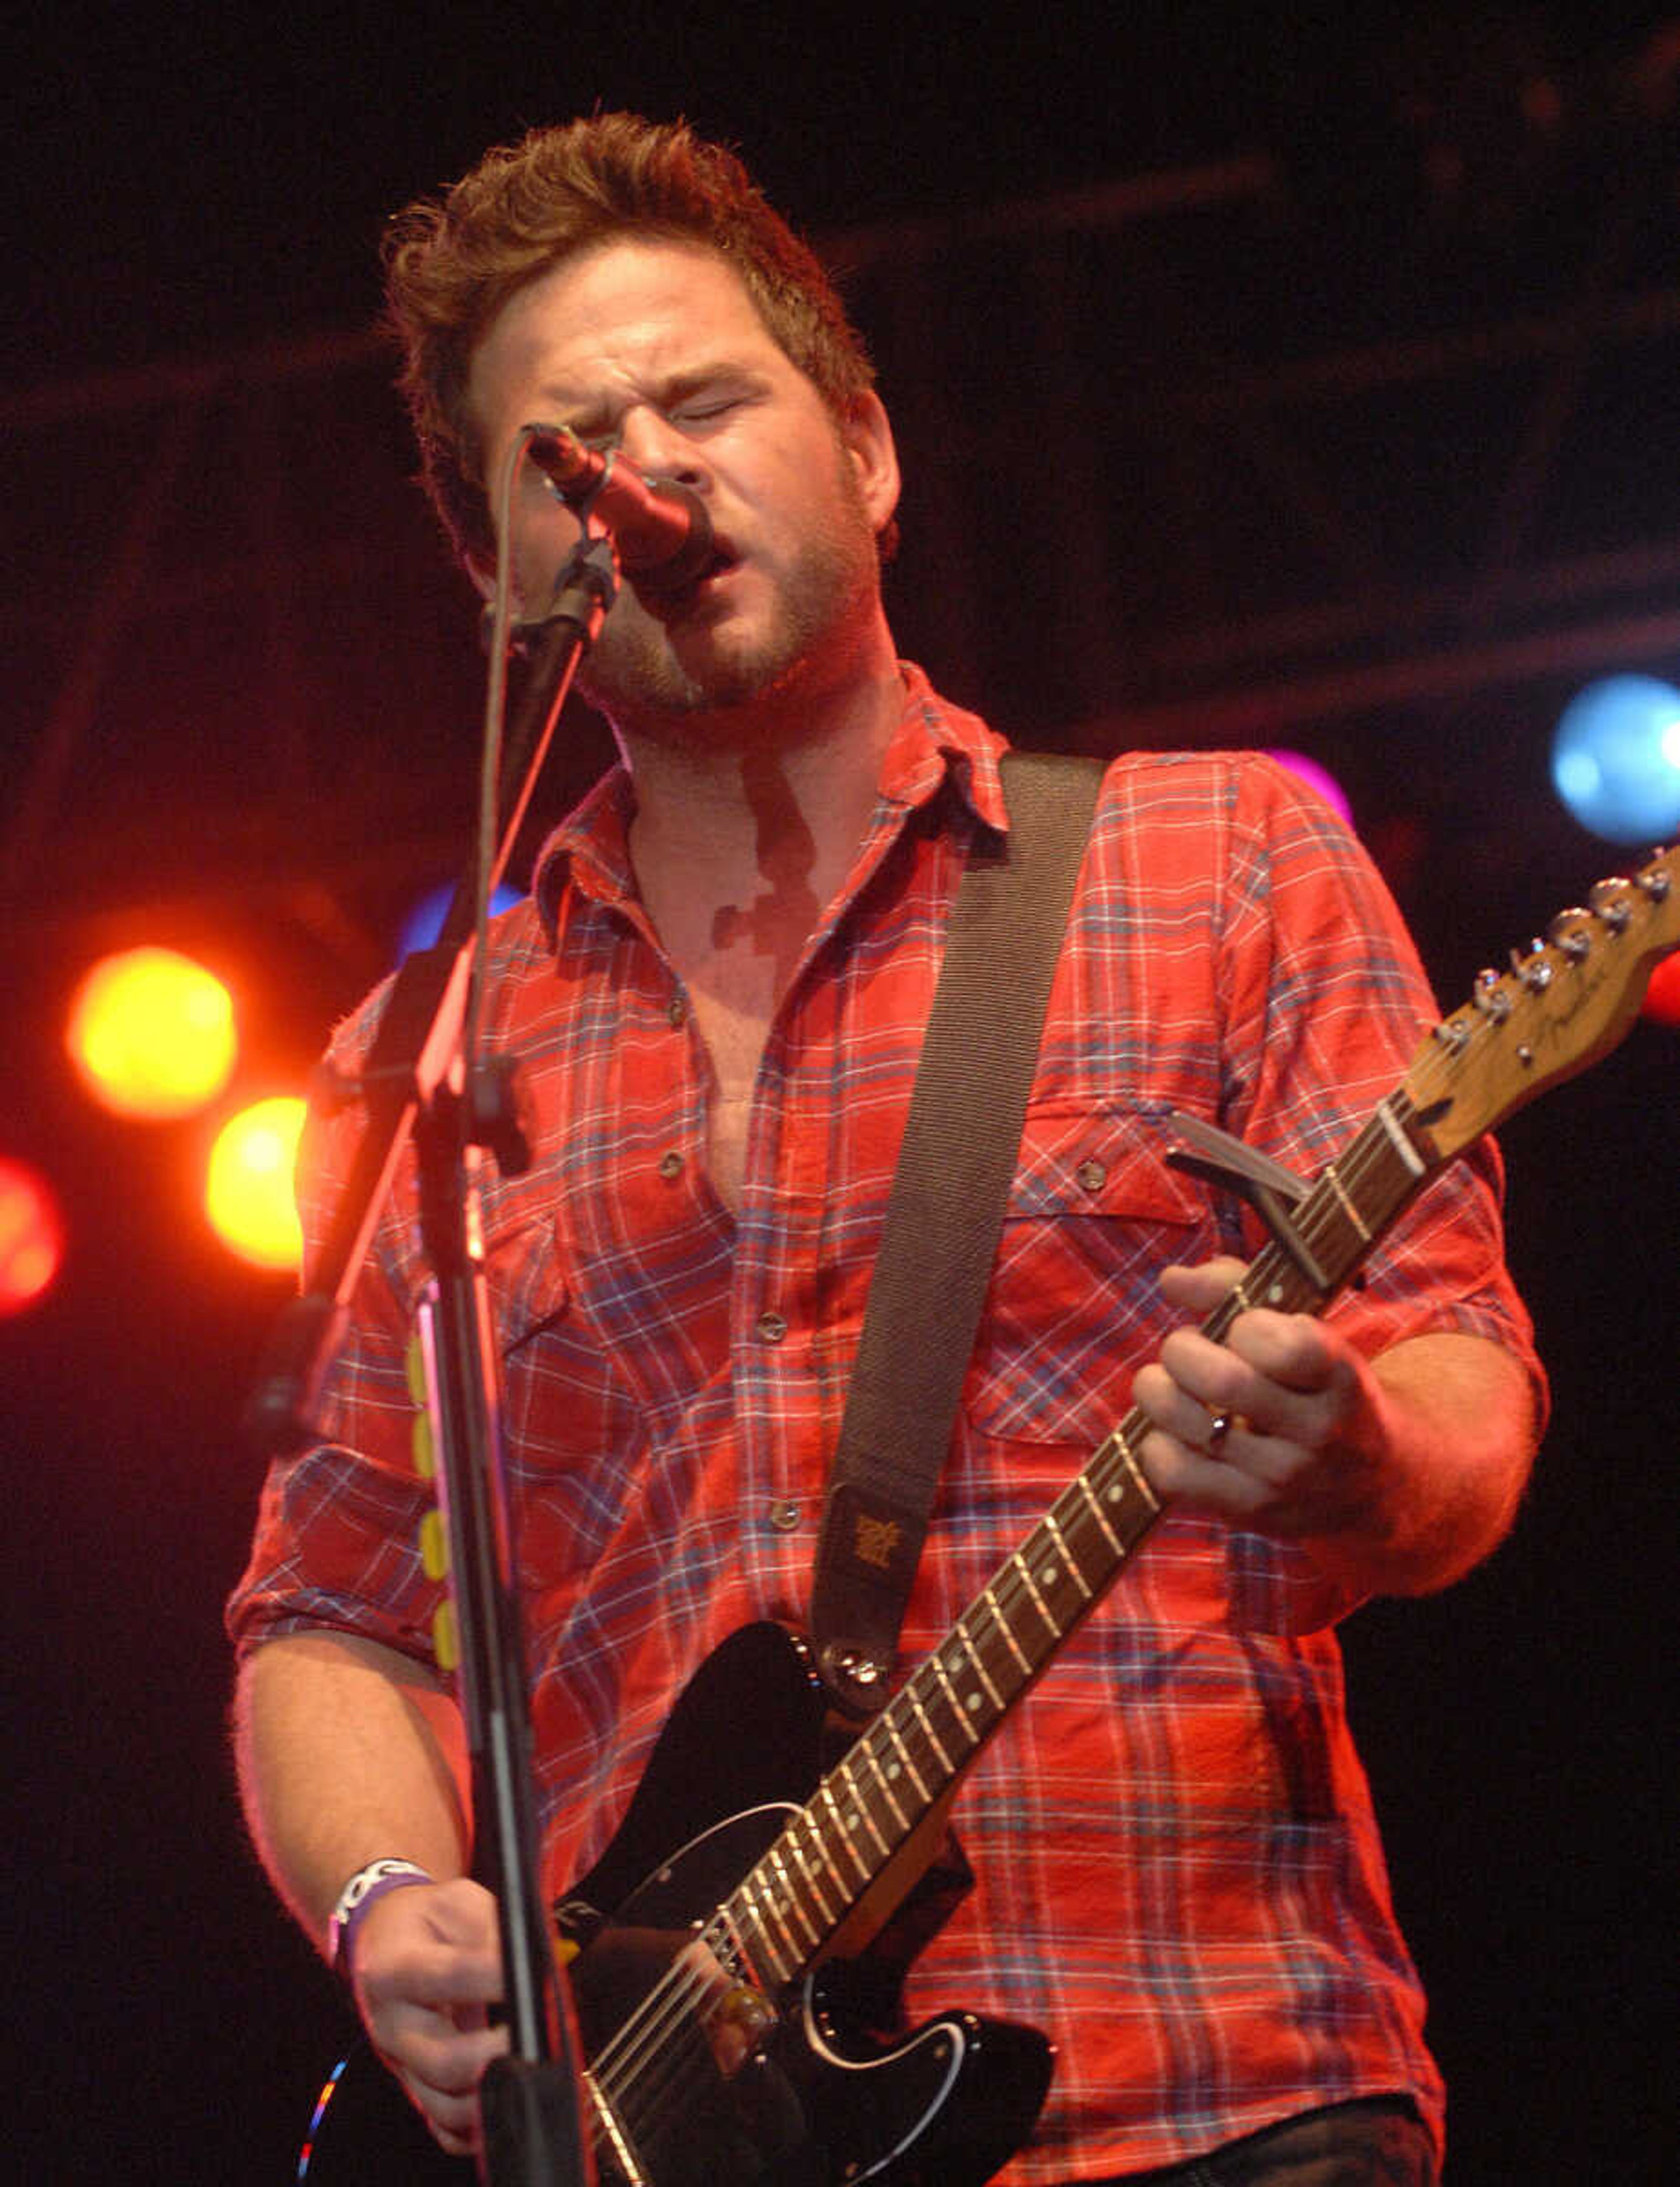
x: 1291, y: 1350
x: 1198, y: 1288
x: 1185, y: 1476
x: 441, y: 2069
x: 1179, y: 1409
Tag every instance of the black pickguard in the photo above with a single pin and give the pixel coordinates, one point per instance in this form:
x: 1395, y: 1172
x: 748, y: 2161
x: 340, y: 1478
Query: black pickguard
x: 834, y: 2090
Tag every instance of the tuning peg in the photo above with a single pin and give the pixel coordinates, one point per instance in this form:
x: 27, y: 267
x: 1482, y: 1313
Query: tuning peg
x: 1610, y: 900
x: 1533, y: 967
x: 1491, y: 996
x: 1567, y: 934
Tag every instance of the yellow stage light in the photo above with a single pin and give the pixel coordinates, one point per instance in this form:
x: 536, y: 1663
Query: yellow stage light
x: 32, y: 1235
x: 152, y: 1033
x: 248, y: 1193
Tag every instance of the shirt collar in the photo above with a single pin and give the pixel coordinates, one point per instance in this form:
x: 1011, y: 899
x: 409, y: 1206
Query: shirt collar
x: 933, y: 745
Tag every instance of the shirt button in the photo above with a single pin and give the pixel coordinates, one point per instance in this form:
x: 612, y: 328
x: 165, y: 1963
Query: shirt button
x: 1092, y: 1176
x: 671, y: 1165
x: 676, y: 1010
x: 784, y: 1516
x: 772, y: 1327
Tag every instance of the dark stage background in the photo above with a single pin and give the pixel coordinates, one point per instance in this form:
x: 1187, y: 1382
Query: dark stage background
x: 1256, y: 384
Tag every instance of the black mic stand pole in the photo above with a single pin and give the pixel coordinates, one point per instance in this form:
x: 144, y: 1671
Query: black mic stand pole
x: 420, y: 1083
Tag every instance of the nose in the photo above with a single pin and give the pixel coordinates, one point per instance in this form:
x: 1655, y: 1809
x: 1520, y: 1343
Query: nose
x: 655, y: 445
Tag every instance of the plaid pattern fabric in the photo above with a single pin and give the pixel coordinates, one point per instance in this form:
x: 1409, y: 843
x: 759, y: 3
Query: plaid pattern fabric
x: 1179, y: 1876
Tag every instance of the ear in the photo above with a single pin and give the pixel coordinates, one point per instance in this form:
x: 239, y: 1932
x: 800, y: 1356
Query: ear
x: 866, y: 434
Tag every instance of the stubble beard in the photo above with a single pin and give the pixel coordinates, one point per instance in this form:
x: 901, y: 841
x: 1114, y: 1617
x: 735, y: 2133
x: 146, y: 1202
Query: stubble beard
x: 663, y: 679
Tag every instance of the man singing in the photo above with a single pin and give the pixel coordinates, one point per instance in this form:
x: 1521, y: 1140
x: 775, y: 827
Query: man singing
x: 717, y: 994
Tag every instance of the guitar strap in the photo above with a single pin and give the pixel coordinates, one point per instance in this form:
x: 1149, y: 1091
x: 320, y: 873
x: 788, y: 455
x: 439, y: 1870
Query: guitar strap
x: 945, y: 1217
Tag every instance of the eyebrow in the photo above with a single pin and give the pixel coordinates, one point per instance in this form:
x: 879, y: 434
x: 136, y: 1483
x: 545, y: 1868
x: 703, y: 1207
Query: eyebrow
x: 581, y: 411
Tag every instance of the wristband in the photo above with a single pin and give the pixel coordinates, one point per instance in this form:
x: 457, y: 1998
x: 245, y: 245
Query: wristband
x: 367, y: 1884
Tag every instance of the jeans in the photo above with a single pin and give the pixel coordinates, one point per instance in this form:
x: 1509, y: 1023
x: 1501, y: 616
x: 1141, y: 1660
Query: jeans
x: 1372, y: 2142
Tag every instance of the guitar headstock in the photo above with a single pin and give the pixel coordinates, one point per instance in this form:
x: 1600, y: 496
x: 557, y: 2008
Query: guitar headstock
x: 1558, y: 1007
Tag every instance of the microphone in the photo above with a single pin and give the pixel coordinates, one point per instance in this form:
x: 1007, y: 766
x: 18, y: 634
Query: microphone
x: 660, y: 529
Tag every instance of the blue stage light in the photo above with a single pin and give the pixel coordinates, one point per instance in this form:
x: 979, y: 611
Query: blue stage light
x: 425, y: 923
x: 1615, y: 758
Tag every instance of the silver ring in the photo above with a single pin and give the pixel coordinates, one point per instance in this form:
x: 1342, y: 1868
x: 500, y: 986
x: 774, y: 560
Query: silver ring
x: 1220, y: 1429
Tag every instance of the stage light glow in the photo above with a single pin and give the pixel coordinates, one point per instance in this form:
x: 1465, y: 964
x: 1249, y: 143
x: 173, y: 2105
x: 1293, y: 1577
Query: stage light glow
x: 248, y: 1191
x: 1315, y: 778
x: 32, y: 1235
x: 151, y: 1033
x: 1615, y: 758
x: 425, y: 923
x: 1662, y: 996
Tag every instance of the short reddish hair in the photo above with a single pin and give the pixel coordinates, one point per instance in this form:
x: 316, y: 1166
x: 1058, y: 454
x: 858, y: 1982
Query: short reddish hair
x: 453, y: 263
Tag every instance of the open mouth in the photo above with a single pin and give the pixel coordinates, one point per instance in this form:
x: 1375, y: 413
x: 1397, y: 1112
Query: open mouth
x: 667, y: 598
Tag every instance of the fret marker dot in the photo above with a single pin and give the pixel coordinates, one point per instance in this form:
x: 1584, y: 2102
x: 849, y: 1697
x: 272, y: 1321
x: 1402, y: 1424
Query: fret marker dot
x: 1049, y: 1576
x: 973, y: 1704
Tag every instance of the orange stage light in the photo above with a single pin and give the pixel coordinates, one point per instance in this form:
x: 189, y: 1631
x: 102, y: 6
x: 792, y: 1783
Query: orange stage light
x: 32, y: 1235
x: 248, y: 1193
x: 152, y: 1033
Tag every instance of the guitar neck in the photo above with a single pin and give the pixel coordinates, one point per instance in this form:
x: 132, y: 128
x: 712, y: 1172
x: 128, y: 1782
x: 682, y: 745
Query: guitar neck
x: 911, y: 1755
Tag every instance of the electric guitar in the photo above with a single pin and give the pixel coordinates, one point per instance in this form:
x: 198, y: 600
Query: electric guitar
x: 739, y: 2007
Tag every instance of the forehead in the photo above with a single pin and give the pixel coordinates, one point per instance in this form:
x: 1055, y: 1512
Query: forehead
x: 616, y: 320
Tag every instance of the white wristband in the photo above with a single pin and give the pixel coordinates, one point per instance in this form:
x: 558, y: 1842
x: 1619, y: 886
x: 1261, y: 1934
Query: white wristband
x: 367, y: 1884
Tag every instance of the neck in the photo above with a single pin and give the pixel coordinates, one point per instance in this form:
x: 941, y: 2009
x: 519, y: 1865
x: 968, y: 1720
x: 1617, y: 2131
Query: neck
x: 725, y: 799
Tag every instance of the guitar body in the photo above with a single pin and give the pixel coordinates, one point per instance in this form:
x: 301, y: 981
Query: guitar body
x: 730, y: 2087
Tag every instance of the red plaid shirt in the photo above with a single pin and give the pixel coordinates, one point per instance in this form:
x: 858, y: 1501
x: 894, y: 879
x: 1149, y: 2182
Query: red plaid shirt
x: 1179, y: 1876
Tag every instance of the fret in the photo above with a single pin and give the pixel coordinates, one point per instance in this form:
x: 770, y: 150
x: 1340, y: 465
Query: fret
x: 825, y: 1791
x: 1038, y: 1602
x: 981, y: 1672
x: 862, y: 1803
x: 1083, y: 1485
x: 1135, y: 1483
x: 721, y: 1938
x: 1402, y: 1146
x: 1069, y: 1558
x: 790, y: 1900
x: 1345, y: 1202
x: 921, y: 1716
x: 751, y: 1925
x: 814, y: 1865
x: 1007, y: 1632
x: 890, y: 1726
x: 744, y: 1916
x: 960, y: 1709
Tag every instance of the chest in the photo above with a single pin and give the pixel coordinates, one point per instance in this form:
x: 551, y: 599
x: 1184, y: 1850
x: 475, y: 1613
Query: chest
x: 732, y: 1020
x: 736, y: 952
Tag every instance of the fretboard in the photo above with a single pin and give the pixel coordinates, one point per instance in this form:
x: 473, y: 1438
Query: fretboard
x: 911, y: 1755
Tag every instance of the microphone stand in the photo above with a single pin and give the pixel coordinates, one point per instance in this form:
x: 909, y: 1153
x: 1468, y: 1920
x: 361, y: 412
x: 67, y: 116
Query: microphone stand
x: 421, y: 1086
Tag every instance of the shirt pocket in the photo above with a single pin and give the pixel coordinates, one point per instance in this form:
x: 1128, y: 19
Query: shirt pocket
x: 1074, y: 1306
x: 568, y: 1422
